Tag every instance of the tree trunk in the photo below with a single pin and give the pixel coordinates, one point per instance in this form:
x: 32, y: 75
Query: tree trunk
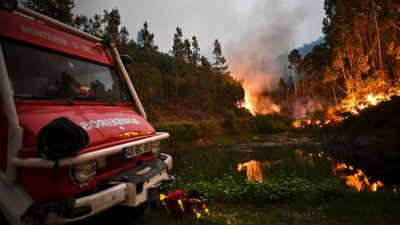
x: 143, y: 74
x: 340, y: 88
x: 372, y: 47
x: 377, y: 33
x: 176, y: 90
x: 295, y: 84
x: 334, y: 93
x: 343, y: 71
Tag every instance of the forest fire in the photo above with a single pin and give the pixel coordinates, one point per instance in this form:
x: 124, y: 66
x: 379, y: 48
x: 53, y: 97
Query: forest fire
x: 248, y: 105
x: 371, y: 101
x: 351, y: 106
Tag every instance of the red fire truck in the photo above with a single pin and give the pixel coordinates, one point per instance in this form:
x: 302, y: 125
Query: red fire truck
x: 50, y: 70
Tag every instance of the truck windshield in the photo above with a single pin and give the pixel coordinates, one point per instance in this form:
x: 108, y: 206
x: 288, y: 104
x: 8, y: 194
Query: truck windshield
x: 43, y: 74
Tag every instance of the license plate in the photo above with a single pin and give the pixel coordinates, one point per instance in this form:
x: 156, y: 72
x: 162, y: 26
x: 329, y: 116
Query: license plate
x: 135, y: 150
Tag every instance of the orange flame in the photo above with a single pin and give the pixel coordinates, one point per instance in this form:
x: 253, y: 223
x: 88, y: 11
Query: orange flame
x: 373, y: 100
x: 355, y: 107
x: 248, y: 106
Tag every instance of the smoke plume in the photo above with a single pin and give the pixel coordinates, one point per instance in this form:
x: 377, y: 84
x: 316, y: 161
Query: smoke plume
x: 272, y: 29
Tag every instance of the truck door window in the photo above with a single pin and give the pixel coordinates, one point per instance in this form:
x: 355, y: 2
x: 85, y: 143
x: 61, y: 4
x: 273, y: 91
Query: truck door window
x: 38, y: 73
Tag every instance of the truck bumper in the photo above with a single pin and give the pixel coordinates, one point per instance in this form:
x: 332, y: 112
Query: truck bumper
x: 131, y: 188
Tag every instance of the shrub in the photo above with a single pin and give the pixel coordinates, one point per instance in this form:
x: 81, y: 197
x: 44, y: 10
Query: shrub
x: 263, y: 123
x: 279, y: 126
x: 294, y: 189
x: 230, y: 122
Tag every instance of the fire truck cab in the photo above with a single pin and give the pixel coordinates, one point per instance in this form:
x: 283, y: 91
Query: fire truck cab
x: 50, y: 70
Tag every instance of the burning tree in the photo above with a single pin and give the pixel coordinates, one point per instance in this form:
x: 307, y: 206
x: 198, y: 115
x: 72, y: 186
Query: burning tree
x: 357, y: 64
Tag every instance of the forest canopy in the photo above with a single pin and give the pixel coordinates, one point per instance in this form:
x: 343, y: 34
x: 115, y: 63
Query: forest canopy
x: 358, y: 56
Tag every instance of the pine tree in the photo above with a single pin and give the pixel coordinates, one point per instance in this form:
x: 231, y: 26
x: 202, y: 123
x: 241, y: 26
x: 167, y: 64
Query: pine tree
x: 178, y: 52
x: 294, y: 59
x: 219, y: 64
x: 282, y: 85
x: 59, y: 10
x: 147, y: 51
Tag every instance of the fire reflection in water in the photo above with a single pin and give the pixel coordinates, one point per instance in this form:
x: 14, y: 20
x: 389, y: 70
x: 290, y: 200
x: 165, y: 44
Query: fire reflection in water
x: 358, y: 180
x: 254, y: 168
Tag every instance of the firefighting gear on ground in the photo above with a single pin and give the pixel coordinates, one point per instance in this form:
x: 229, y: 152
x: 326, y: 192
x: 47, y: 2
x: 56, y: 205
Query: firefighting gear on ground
x: 180, y: 204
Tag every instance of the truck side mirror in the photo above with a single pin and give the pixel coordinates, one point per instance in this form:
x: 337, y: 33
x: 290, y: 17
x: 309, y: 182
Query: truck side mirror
x: 9, y: 5
x: 126, y: 60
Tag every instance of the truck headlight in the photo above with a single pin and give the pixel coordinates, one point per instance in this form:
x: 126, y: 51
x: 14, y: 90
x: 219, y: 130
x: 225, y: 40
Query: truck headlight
x: 82, y: 173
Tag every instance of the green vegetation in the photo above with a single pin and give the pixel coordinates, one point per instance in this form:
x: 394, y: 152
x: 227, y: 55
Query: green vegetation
x: 359, y: 56
x: 298, y: 188
x: 190, y: 135
x: 182, y: 80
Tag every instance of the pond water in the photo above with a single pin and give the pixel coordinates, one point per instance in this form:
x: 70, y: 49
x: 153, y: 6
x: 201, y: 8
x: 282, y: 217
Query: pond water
x: 358, y: 172
x: 261, y: 160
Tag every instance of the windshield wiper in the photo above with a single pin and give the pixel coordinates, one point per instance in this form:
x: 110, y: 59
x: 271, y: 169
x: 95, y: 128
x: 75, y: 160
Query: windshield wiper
x: 31, y: 96
x: 91, y: 98
x: 85, y: 97
x: 41, y: 97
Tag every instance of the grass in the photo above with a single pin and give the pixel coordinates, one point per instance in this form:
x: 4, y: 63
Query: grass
x: 365, y: 207
x: 300, y: 189
x: 354, y: 208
